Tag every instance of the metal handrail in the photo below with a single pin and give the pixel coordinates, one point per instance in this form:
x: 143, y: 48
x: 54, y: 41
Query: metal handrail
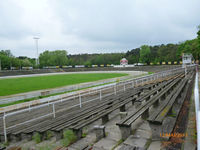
x: 197, y: 110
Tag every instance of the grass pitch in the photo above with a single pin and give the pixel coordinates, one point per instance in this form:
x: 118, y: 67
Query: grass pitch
x: 27, y: 84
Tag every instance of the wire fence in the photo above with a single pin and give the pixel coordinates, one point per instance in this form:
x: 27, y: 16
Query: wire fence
x: 54, y: 106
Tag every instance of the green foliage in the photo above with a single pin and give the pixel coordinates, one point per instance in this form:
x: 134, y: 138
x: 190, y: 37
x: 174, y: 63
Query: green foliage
x: 189, y: 46
x: 145, y: 54
x: 26, y: 63
x: 158, y: 53
x: 133, y: 56
x: 53, y: 58
x: 150, y: 72
x: 8, y: 60
x: 69, y: 137
x: 95, y: 59
x: 88, y: 64
x: 49, y: 135
x: 4, y: 144
x: 173, y: 113
x: 84, y: 134
x: 37, y: 138
x: 198, y: 43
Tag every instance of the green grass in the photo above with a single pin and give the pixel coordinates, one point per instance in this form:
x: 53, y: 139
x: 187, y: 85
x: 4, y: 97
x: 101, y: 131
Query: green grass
x: 150, y: 73
x: 27, y: 84
x: 18, y: 102
x: 39, y: 97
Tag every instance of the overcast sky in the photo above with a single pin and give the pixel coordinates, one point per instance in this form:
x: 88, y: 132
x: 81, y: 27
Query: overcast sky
x: 95, y: 26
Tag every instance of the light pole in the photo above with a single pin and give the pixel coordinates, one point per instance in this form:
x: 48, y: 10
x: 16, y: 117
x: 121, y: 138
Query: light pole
x: 36, y: 43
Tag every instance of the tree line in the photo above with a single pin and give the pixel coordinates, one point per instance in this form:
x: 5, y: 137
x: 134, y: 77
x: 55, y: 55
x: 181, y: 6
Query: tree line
x: 144, y: 54
x: 9, y: 61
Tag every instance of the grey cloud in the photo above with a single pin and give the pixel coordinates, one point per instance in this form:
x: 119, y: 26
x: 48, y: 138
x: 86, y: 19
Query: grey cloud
x: 11, y: 26
x: 97, y: 25
x: 128, y: 21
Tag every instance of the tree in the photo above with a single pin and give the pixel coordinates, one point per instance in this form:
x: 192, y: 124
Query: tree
x: 198, y: 42
x: 189, y: 46
x: 26, y: 63
x: 53, y: 58
x: 133, y: 56
x: 6, y: 59
x: 145, y: 54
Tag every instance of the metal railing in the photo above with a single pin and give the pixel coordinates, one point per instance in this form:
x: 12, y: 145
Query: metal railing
x: 112, y: 90
x: 197, y: 110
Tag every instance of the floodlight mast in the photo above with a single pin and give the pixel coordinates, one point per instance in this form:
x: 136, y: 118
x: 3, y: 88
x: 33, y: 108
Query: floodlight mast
x: 36, y: 43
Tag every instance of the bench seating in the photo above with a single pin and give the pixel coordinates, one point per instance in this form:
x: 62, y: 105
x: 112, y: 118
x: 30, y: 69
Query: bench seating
x: 104, y: 114
x: 66, y: 120
x: 143, y: 109
x: 84, y: 116
x: 163, y: 119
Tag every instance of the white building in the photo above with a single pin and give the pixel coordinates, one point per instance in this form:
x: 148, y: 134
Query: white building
x: 186, y: 59
x: 123, y: 61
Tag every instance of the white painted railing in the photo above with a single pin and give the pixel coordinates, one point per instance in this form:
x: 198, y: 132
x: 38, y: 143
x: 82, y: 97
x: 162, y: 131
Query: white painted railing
x: 197, y: 110
x: 134, y: 82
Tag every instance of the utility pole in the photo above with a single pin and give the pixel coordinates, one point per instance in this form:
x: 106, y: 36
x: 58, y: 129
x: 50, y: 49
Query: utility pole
x: 36, y: 43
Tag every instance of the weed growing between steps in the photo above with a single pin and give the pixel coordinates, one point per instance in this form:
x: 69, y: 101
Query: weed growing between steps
x: 37, y: 138
x: 118, y: 143
x: 49, y: 135
x: 68, y: 137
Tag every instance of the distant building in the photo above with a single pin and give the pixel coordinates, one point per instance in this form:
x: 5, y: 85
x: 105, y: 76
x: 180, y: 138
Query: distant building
x: 123, y: 61
x: 186, y: 59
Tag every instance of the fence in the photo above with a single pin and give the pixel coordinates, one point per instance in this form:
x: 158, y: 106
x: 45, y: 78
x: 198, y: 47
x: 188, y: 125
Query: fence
x: 49, y: 108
